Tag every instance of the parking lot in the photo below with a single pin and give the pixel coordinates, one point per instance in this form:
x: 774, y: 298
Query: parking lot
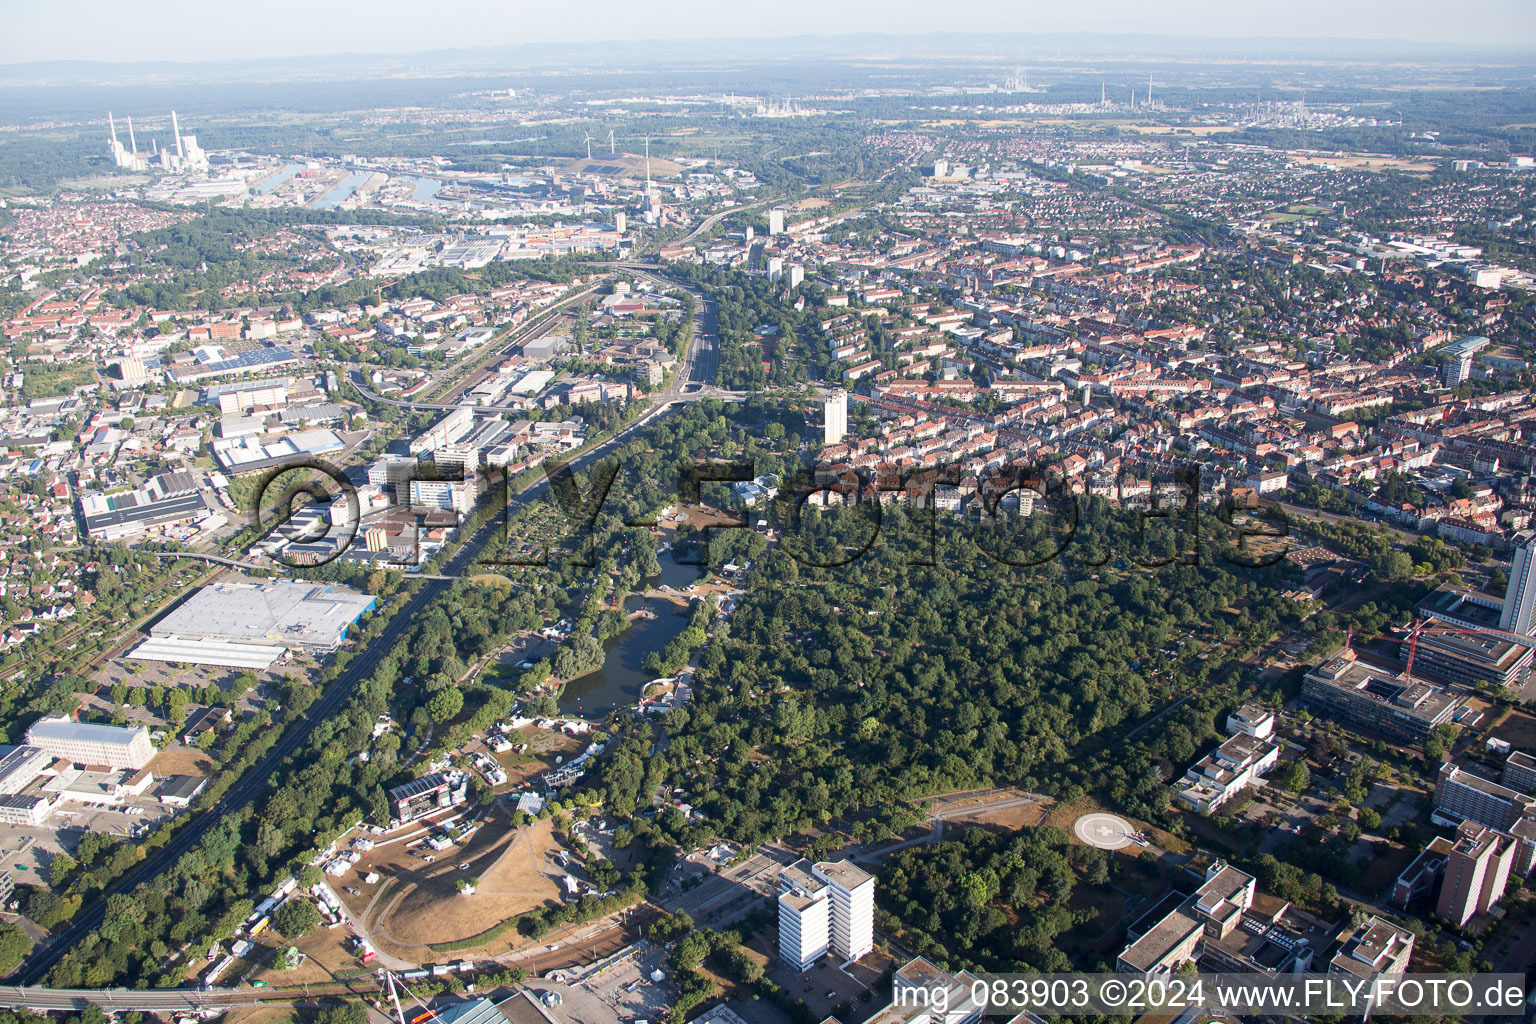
x: 624, y: 992
x: 29, y: 849
x: 822, y: 988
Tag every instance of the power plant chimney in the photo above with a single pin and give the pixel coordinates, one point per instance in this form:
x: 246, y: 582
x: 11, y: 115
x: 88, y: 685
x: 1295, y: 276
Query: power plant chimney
x: 133, y: 145
x: 176, y: 131
x: 113, y: 125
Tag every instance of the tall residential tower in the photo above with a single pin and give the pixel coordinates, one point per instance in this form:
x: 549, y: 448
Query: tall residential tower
x: 1520, y: 598
x: 825, y: 906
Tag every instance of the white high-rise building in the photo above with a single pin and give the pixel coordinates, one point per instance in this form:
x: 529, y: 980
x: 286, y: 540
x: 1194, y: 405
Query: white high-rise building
x: 775, y: 222
x: 1520, y: 597
x: 775, y: 267
x: 835, y: 417
x: 853, y: 907
x: 796, y: 275
x: 805, y: 916
x: 620, y: 222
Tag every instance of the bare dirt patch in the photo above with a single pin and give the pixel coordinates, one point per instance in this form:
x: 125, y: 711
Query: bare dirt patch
x: 512, y: 880
x: 180, y: 760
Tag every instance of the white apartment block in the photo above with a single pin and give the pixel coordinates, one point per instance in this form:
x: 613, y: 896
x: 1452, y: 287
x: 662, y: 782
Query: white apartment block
x: 825, y: 906
x: 835, y: 423
x: 853, y: 907
x: 805, y: 917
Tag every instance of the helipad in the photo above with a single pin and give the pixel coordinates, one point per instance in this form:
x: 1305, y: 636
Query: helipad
x: 1106, y: 831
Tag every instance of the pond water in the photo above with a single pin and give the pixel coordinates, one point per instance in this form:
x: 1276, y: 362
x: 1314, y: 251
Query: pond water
x: 619, y: 682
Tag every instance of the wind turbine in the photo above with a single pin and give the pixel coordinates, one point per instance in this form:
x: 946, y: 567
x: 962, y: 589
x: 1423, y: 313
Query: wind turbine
x: 588, y: 141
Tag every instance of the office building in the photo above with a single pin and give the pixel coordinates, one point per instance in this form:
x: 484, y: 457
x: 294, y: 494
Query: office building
x: 852, y: 891
x: 1476, y: 873
x: 1520, y: 772
x: 27, y: 808
x: 1473, y: 659
x: 1397, y: 706
x: 1418, y: 879
x: 1460, y: 795
x: 444, y: 432
x: 1519, y: 612
x: 1375, y: 949
x: 19, y: 766
x: 834, y: 417
x: 389, y: 472
x: 449, y: 495
x: 1226, y: 771
x: 1456, y: 359
x: 109, y: 745
x: 1251, y: 720
x: 1227, y: 925
x: 922, y: 993
x: 805, y: 916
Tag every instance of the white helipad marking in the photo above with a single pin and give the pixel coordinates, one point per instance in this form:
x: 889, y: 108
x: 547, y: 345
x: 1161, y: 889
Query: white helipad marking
x: 1106, y: 831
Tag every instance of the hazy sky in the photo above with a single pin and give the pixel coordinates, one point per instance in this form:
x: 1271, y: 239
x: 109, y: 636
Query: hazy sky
x: 220, y: 29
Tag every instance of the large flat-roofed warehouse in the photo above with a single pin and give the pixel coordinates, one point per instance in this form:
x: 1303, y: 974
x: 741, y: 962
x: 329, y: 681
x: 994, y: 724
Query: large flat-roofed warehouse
x: 249, y: 625
x: 82, y: 743
x: 168, y: 498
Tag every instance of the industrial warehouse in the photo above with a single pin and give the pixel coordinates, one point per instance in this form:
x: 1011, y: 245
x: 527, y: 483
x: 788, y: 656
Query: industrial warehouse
x: 240, y: 624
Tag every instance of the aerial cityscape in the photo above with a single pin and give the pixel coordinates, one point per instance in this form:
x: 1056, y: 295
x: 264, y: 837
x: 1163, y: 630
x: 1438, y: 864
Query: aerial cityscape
x: 912, y: 522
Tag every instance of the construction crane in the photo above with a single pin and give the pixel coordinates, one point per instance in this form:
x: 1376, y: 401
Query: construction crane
x: 1422, y: 626
x: 1437, y: 627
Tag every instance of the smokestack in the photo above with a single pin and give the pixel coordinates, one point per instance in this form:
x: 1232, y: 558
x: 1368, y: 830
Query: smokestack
x: 131, y: 143
x: 113, y: 125
x: 176, y: 131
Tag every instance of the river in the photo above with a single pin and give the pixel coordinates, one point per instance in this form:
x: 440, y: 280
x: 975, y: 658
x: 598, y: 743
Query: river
x: 286, y: 174
x: 343, y: 190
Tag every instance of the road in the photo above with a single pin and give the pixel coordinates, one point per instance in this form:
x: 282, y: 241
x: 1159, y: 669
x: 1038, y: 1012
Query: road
x: 1328, y: 517
x: 122, y: 1000
x: 699, y: 362
x: 708, y: 223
